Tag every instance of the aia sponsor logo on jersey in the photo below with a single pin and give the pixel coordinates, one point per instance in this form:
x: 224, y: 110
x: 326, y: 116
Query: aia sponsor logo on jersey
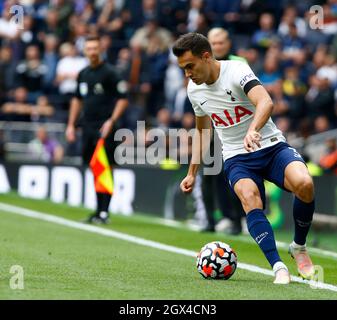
x: 227, y: 119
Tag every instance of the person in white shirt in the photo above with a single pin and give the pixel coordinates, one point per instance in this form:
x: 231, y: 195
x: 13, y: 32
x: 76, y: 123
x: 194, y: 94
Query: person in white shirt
x: 230, y: 95
x: 68, y: 68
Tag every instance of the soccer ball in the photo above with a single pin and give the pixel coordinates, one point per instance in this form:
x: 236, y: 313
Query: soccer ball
x: 216, y: 260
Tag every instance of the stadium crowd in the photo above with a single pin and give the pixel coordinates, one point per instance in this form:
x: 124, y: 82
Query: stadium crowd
x: 293, y: 55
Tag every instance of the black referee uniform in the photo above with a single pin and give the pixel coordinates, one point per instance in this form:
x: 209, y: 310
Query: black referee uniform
x: 98, y: 88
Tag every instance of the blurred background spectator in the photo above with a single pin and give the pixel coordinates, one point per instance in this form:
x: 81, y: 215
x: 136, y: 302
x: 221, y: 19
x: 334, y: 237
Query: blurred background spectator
x: 44, y: 148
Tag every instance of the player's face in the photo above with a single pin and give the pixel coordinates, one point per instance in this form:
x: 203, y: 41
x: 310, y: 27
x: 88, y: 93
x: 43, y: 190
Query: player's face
x: 92, y: 50
x: 195, y: 68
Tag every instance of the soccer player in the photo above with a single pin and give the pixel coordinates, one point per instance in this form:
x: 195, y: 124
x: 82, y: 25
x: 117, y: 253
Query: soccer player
x: 229, y: 94
x: 215, y: 188
x: 102, y: 96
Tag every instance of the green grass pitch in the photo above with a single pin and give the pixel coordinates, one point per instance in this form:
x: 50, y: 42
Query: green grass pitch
x: 60, y: 262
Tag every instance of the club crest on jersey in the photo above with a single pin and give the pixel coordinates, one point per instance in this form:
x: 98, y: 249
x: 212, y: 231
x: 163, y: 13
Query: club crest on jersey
x: 239, y: 111
x: 98, y: 88
x: 230, y: 93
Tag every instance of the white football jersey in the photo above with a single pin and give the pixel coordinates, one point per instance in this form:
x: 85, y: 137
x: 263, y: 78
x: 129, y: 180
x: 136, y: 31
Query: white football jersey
x: 226, y: 103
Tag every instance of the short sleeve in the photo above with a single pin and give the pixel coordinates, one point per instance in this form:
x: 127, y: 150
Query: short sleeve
x: 77, y: 92
x: 197, y: 109
x: 244, y: 77
x: 118, y: 85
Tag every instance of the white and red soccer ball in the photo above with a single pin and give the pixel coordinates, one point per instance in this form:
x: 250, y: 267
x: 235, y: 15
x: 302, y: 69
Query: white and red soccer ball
x: 216, y: 260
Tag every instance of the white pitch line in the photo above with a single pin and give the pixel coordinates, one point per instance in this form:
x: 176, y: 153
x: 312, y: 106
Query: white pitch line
x: 141, y: 241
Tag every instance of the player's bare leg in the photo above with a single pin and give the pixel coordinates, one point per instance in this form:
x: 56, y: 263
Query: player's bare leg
x: 260, y: 228
x: 298, y: 180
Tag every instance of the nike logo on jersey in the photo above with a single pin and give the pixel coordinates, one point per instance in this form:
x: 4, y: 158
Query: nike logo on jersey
x: 201, y: 103
x: 239, y: 111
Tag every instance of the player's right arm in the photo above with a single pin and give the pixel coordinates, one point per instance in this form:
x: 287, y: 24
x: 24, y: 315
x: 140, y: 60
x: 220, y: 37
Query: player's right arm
x: 74, y: 112
x: 75, y: 109
x: 201, y: 140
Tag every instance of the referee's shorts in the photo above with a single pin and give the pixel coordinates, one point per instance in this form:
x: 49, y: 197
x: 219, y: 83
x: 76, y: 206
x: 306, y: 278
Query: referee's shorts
x: 90, y: 137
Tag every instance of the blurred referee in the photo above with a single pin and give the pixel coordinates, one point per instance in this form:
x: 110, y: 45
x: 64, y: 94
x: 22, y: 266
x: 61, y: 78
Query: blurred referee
x: 101, y: 101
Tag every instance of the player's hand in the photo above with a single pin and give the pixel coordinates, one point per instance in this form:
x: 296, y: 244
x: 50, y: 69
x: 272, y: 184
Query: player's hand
x: 252, y: 140
x: 106, y: 128
x: 70, y: 134
x: 187, y: 184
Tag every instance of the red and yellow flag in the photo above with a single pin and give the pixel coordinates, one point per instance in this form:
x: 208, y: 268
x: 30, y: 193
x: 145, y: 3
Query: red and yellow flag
x: 101, y: 169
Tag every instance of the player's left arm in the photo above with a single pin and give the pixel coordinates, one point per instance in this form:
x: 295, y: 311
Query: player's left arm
x: 119, y: 109
x: 261, y: 99
x: 120, y: 88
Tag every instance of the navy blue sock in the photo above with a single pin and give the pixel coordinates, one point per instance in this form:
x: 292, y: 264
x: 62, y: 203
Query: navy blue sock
x: 262, y: 232
x: 302, y: 213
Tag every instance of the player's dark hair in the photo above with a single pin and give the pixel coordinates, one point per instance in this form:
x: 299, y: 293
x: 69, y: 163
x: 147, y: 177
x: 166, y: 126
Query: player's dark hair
x: 194, y: 42
x: 92, y: 38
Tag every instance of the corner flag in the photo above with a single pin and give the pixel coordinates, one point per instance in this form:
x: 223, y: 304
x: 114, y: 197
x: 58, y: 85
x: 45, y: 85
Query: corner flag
x: 101, y: 169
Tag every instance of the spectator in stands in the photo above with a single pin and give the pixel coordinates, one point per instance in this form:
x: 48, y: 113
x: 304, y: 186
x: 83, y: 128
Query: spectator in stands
x: 8, y: 30
x: 164, y: 120
x: 292, y: 44
x: 26, y: 37
x: 149, y: 31
x: 222, y: 13
x: 149, y: 10
x: 271, y: 76
x: 21, y: 110
x: 7, y: 72
x: 174, y: 80
x: 294, y: 90
x: 42, y: 111
x: 320, y: 98
x: 2, y: 146
x: 182, y: 105
x: 266, y: 35
x: 68, y: 68
x: 64, y: 10
x: 31, y: 72
x: 254, y: 59
x: 108, y: 53
x: 50, y: 59
x: 86, y: 11
x: 51, y: 25
x: 222, y: 45
x: 134, y: 67
x: 329, y: 160
x: 154, y: 41
x: 18, y: 108
x: 290, y: 16
x: 193, y: 14
x: 322, y: 124
x: 44, y: 148
x: 111, y: 20
x: 158, y: 55
x: 79, y: 33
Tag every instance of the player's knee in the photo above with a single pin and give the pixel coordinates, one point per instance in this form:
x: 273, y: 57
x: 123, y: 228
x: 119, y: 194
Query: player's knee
x: 305, y: 189
x: 250, y: 199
